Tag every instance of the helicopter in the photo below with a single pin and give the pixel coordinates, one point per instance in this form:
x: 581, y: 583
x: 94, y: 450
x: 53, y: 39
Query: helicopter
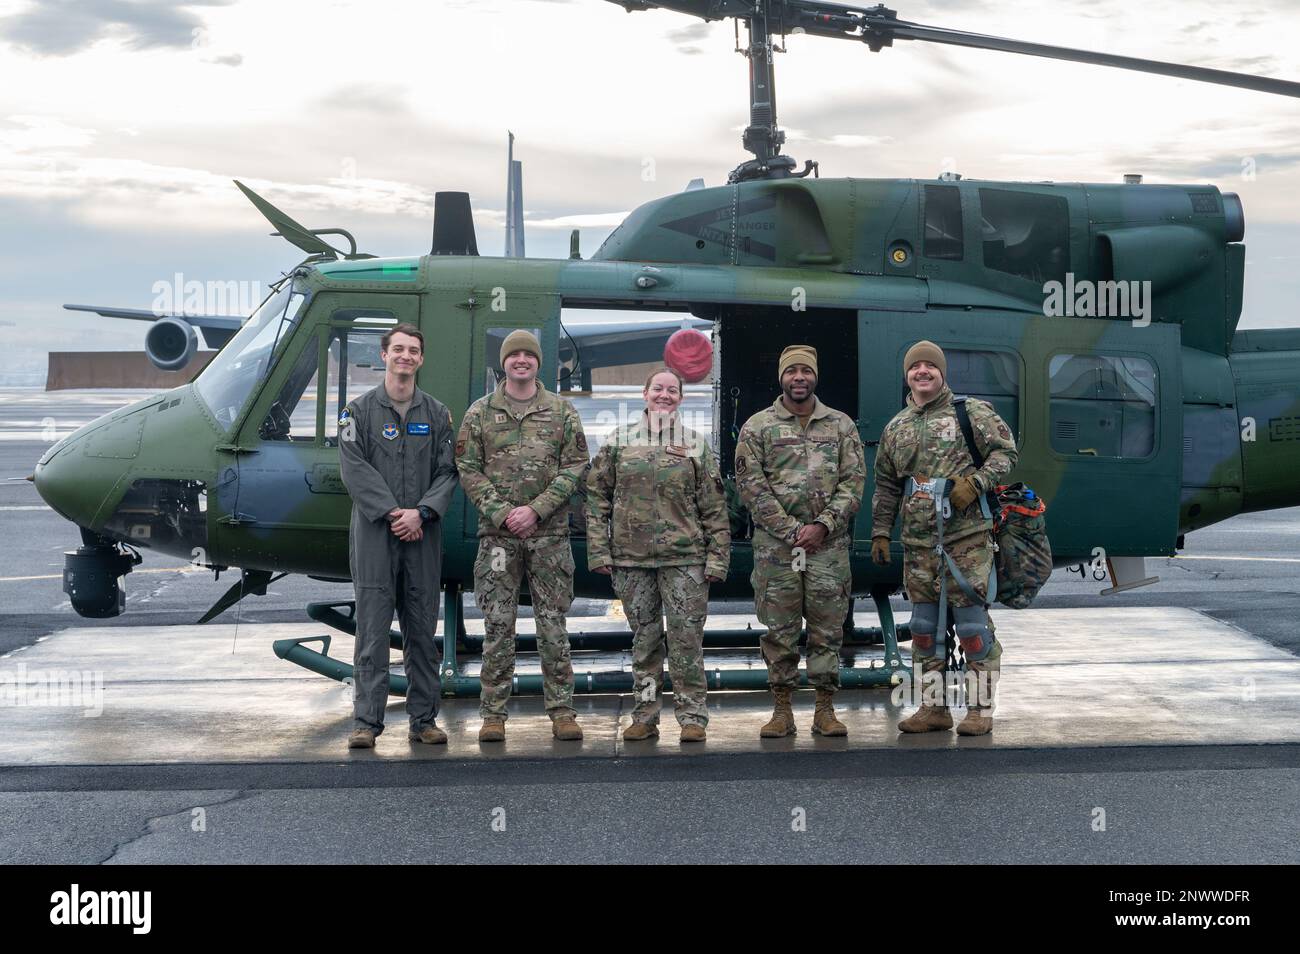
x: 240, y: 468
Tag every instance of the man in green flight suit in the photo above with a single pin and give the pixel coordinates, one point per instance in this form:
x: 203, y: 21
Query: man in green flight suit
x: 921, y: 444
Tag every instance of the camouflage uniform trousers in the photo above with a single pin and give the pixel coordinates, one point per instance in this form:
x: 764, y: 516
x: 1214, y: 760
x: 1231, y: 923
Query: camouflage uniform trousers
x: 973, y: 555
x: 648, y: 593
x: 499, y: 568
x: 785, y: 596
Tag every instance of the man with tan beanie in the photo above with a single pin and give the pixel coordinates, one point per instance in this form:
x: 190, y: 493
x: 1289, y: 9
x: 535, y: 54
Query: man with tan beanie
x: 521, y: 453
x: 926, y: 468
x: 800, y: 471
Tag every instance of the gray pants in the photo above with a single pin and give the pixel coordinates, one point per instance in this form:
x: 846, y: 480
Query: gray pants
x: 388, y: 574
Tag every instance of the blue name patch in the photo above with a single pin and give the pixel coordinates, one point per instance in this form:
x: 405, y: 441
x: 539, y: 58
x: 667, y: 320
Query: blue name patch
x: 417, y: 428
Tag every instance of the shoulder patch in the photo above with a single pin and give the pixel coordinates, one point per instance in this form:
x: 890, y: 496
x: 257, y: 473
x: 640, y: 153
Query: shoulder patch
x: 1003, y: 432
x: 460, y: 447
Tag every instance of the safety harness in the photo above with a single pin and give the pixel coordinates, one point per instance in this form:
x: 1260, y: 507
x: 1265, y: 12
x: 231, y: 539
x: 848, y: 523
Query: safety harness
x: 939, y: 489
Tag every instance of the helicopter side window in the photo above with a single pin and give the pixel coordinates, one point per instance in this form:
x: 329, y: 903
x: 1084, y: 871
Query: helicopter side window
x: 1103, y: 405
x: 1026, y: 234
x: 293, y: 415
x: 943, y: 225
x: 992, y: 376
x: 354, y: 367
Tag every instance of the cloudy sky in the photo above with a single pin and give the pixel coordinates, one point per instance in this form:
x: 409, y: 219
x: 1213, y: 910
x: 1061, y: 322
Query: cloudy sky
x: 122, y: 123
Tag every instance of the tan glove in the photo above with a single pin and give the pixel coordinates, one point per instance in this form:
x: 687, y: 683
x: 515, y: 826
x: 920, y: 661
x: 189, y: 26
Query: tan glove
x: 963, y: 493
x: 880, y: 551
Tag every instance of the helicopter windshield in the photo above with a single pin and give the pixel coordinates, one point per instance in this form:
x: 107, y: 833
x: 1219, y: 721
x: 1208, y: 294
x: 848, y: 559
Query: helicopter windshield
x: 229, y: 379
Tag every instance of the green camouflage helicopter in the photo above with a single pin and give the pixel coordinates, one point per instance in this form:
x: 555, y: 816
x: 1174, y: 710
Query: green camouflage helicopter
x: 1100, y: 320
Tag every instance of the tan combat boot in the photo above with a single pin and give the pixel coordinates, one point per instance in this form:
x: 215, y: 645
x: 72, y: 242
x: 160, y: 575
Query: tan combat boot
x: 977, y: 722
x: 429, y: 735
x: 824, y: 721
x: 361, y: 739
x: 693, y: 732
x: 927, y: 719
x: 493, y: 729
x: 639, y: 731
x: 782, y: 723
x: 566, y: 728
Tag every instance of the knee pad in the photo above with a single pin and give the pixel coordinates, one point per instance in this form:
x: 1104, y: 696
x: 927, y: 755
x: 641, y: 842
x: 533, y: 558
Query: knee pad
x: 973, y: 631
x: 924, y: 627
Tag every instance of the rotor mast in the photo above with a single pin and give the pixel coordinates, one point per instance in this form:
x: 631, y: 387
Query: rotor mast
x: 876, y: 27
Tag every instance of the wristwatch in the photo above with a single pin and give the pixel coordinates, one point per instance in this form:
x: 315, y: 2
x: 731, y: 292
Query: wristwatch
x: 426, y: 513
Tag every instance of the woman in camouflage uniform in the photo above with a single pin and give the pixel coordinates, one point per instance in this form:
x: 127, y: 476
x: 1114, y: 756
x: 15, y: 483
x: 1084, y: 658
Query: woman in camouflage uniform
x: 657, y: 524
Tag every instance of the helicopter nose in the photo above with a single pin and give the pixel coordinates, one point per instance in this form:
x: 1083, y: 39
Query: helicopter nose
x: 74, y: 483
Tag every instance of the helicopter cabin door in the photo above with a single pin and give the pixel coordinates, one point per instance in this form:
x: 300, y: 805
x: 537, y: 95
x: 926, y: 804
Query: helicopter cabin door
x: 292, y: 499
x: 1093, y: 405
x: 539, y: 314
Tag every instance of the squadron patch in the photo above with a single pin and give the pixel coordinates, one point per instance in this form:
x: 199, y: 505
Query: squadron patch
x: 742, y: 465
x: 582, y: 441
x: 390, y: 431
x: 460, y: 447
x: 1003, y: 432
x: 345, y: 415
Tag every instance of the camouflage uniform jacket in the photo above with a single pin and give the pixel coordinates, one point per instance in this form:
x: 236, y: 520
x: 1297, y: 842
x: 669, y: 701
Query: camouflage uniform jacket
x: 788, y: 476
x: 925, y: 442
x: 536, y: 459
x: 657, y: 500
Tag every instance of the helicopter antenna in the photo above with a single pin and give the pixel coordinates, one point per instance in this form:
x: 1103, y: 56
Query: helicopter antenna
x: 877, y: 26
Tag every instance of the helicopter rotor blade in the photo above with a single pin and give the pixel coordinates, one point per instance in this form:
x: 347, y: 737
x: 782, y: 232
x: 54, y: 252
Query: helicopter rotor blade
x: 903, y: 30
x: 878, y: 26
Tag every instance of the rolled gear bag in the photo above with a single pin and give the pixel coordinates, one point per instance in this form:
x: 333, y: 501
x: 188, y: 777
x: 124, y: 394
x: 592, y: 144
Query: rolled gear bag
x: 1023, y: 556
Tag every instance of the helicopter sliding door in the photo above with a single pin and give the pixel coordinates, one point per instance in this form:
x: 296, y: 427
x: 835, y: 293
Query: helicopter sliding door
x: 292, y: 503
x: 1093, y: 405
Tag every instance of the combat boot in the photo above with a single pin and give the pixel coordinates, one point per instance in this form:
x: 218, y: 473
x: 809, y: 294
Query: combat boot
x: 566, y: 729
x: 429, y: 735
x: 693, y: 732
x: 824, y: 721
x: 639, y: 731
x: 361, y: 739
x: 782, y: 723
x: 493, y: 729
x: 927, y: 719
x: 977, y: 722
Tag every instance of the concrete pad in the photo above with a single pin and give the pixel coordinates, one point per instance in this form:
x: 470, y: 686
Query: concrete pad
x: 1077, y: 677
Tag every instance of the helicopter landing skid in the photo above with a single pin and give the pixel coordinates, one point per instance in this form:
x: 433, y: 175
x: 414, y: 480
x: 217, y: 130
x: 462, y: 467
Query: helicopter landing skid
x: 881, y: 673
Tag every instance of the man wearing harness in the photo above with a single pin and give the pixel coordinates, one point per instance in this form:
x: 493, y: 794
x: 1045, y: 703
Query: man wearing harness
x: 924, y: 465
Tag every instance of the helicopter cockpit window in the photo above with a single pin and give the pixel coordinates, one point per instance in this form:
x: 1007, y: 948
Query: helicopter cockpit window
x: 943, y: 226
x: 1103, y: 405
x: 355, y: 367
x: 293, y: 415
x: 492, y: 356
x: 247, y: 358
x: 1026, y: 234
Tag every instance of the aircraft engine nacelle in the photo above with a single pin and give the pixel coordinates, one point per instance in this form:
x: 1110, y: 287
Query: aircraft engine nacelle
x: 170, y: 343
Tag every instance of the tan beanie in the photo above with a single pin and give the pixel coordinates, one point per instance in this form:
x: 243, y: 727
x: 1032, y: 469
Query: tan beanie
x: 926, y: 351
x: 797, y: 354
x: 520, y: 340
